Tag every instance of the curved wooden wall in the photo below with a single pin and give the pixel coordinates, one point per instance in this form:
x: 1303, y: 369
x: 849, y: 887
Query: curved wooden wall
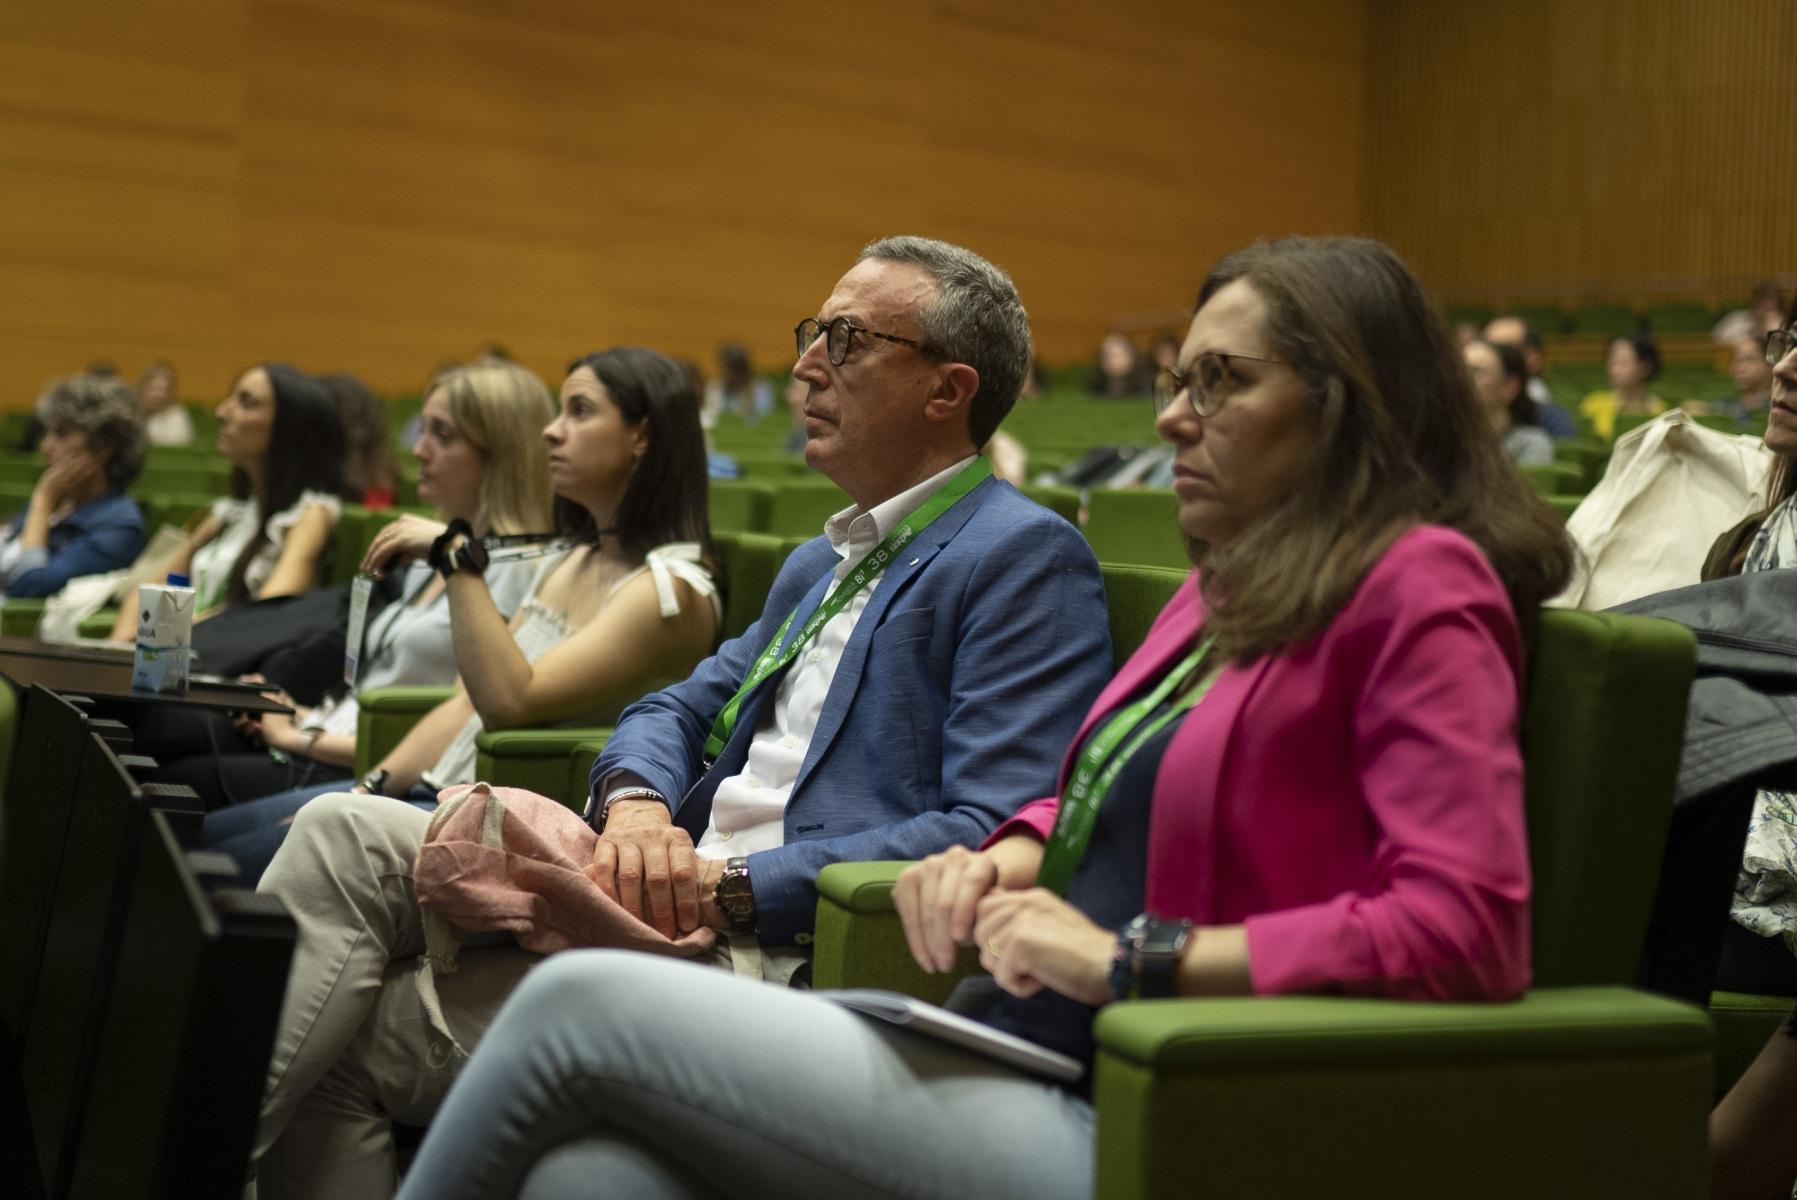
x: 378, y: 185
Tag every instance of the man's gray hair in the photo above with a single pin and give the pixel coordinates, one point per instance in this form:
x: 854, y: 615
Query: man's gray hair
x: 105, y: 411
x: 977, y: 319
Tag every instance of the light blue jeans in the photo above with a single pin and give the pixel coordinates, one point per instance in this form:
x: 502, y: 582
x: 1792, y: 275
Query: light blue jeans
x: 611, y: 1073
x: 252, y: 832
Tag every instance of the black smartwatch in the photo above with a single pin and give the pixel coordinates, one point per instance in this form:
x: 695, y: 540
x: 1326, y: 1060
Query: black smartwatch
x: 1146, y: 962
x: 470, y: 556
x: 376, y: 780
x: 734, y: 897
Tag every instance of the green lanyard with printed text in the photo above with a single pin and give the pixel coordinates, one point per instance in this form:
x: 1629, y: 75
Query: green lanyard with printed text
x: 773, y: 658
x: 1100, y: 762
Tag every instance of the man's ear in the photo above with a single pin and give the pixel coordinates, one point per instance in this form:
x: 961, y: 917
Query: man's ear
x: 953, y: 394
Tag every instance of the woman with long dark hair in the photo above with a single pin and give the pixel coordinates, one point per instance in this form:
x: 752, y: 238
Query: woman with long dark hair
x: 1306, y: 780
x: 273, y: 534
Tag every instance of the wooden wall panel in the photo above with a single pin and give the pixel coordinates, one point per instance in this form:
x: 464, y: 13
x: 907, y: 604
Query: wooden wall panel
x: 1556, y: 148
x: 381, y: 186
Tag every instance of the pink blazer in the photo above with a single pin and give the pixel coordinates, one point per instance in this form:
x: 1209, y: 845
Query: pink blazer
x: 1356, y: 801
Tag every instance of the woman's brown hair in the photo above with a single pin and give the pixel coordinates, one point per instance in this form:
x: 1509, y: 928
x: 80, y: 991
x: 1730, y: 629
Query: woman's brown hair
x: 1401, y: 441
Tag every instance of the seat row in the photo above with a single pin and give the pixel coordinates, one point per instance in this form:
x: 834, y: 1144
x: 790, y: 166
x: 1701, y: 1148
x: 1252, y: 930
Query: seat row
x: 1586, y: 1081
x: 137, y: 1011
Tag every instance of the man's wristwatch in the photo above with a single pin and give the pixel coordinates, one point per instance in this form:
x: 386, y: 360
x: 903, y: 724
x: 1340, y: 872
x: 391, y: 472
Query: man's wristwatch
x: 735, y: 898
x: 1147, y: 957
x: 376, y: 780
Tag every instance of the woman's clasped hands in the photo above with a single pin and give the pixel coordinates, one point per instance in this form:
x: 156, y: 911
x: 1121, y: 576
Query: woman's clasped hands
x: 1028, y: 937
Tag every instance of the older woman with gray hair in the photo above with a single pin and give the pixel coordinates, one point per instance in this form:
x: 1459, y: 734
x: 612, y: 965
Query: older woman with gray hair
x: 79, y: 520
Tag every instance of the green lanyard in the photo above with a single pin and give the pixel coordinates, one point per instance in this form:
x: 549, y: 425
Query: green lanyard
x: 1100, y: 762
x: 773, y: 658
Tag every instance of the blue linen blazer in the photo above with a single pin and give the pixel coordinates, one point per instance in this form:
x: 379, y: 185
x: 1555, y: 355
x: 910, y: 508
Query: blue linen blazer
x: 102, y: 535
x: 965, y: 678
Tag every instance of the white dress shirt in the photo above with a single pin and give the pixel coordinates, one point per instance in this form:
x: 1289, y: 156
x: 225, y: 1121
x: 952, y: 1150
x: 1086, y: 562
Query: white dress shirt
x: 748, y: 812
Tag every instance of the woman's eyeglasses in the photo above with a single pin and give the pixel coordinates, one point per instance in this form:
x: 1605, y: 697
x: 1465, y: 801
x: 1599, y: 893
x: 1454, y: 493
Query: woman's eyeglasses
x: 1206, y: 388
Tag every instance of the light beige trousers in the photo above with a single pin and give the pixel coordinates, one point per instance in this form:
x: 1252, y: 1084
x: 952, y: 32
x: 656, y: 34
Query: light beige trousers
x: 355, y: 1051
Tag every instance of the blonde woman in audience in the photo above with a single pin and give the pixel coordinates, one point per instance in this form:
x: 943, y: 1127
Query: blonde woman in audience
x: 481, y: 459
x: 633, y: 603
x: 1632, y: 362
x: 165, y: 418
x: 1307, y: 780
x: 272, y: 534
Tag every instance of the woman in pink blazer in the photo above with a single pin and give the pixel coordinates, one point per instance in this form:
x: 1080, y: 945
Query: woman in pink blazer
x: 1306, y: 780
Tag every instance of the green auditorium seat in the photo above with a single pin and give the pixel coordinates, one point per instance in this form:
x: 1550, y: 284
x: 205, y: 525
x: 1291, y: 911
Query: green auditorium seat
x: 1744, y: 1022
x: 171, y: 509
x: 1061, y: 500
x: 1477, y: 315
x: 1555, y: 478
x: 1584, y: 1087
x: 1564, y: 506
x: 385, y: 715
x: 356, y: 527
x: 771, y: 465
x: 1686, y: 317
x: 1547, y: 318
x: 800, y: 507
x: 1604, y: 319
x: 1131, y: 525
x: 1590, y: 455
x: 740, y: 505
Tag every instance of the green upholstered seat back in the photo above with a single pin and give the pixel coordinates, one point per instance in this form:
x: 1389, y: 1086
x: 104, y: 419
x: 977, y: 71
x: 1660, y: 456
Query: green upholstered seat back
x: 1135, y: 525
x: 801, y: 506
x: 739, y: 505
x: 749, y: 563
x: 1602, y: 728
x: 1134, y: 596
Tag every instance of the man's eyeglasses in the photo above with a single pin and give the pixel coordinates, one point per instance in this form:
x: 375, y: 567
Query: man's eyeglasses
x: 1206, y: 388
x: 1778, y: 344
x: 839, y: 338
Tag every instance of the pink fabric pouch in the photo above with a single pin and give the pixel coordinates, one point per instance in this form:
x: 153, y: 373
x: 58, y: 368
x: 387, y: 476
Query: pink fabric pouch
x: 507, y: 860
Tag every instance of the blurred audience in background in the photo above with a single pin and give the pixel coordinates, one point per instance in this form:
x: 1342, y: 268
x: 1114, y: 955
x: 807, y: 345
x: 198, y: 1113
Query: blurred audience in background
x: 1748, y: 404
x: 370, y: 468
x: 1120, y: 371
x: 1500, y: 381
x: 737, y: 389
x: 1514, y: 331
x: 165, y: 420
x: 1632, y: 362
x: 1765, y: 312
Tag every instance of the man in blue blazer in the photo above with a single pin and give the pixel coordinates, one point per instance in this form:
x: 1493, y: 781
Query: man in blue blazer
x: 906, y: 703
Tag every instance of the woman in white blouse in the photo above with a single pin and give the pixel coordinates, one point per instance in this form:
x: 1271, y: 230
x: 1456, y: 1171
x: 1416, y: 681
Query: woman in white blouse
x: 279, y: 428
x: 481, y: 460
